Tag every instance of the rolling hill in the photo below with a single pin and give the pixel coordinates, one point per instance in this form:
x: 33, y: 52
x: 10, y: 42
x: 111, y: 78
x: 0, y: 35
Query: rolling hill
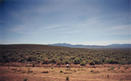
x: 48, y: 54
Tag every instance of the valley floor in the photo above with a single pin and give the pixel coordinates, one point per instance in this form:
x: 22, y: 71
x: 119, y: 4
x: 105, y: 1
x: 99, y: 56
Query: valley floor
x: 109, y: 73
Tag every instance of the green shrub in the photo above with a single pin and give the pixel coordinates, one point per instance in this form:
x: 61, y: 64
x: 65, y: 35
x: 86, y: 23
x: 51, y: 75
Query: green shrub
x: 112, y: 61
x: 83, y: 63
x: 77, y: 60
x: 91, y: 62
x: 96, y: 61
x: 61, y: 71
x: 53, y: 61
x: 66, y: 62
x: 45, y: 61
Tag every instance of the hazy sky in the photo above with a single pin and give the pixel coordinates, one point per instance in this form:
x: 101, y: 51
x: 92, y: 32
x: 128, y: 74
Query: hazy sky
x: 65, y: 21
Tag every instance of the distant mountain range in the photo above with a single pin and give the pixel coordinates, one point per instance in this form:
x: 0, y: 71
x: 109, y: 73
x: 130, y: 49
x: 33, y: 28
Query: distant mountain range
x: 92, y: 46
x: 70, y: 45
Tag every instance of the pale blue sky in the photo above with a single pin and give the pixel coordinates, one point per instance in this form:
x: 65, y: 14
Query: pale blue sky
x: 97, y: 22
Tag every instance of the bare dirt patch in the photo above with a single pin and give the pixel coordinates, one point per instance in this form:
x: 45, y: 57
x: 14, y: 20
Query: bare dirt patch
x: 99, y: 73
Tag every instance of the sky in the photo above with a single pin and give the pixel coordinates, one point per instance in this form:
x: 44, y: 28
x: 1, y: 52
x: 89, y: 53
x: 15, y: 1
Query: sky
x: 88, y: 22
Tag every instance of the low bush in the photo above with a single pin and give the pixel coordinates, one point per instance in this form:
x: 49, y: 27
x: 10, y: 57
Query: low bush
x: 25, y: 79
x: 83, y: 63
x: 61, y: 71
x: 67, y: 78
x: 91, y: 62
x: 45, y: 72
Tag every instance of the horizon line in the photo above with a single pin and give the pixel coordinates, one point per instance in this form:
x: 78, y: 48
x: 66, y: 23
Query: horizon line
x: 58, y: 43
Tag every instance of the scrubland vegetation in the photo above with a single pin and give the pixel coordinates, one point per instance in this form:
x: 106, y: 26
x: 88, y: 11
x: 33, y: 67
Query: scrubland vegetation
x: 45, y: 63
x: 62, y: 55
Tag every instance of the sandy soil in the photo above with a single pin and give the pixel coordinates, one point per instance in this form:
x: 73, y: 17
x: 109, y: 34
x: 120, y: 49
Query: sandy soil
x: 101, y: 73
